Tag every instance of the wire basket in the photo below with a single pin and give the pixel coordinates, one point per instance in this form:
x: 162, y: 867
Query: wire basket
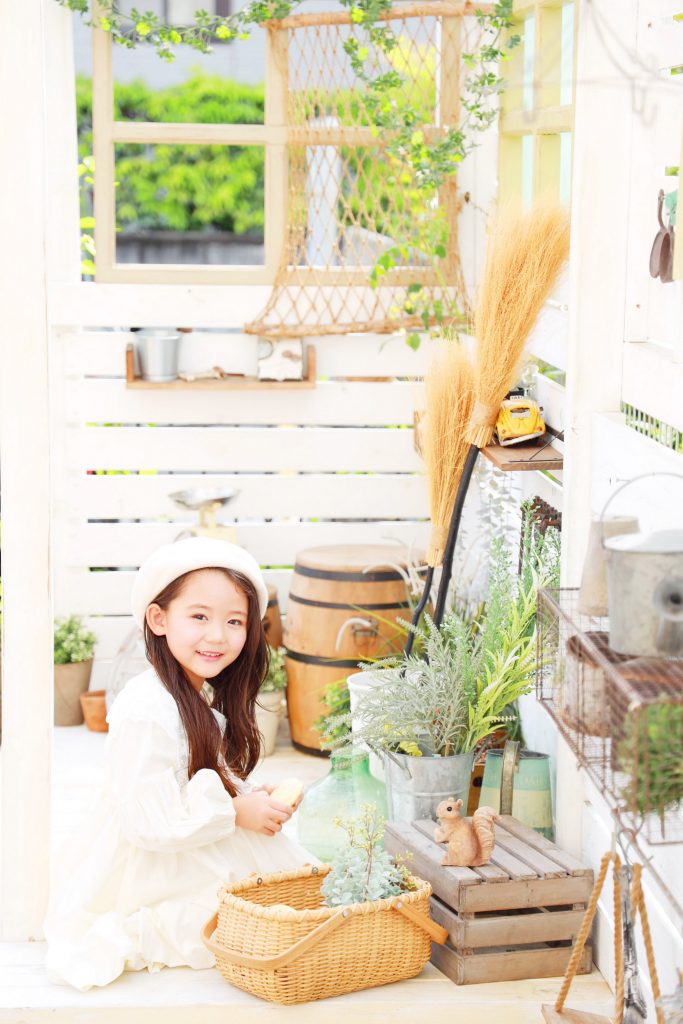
x: 622, y: 716
x: 273, y: 937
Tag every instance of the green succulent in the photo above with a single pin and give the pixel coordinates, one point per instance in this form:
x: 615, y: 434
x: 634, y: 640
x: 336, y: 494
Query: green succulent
x: 73, y: 642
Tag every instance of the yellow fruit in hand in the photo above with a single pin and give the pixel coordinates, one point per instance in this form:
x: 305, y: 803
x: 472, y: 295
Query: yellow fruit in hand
x: 288, y: 792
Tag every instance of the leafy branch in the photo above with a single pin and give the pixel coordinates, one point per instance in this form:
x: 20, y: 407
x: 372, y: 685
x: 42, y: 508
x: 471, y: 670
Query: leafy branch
x: 424, y: 160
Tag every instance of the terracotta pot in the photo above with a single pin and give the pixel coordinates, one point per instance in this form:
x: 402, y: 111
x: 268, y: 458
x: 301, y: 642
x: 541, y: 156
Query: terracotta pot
x: 71, y: 681
x: 94, y: 707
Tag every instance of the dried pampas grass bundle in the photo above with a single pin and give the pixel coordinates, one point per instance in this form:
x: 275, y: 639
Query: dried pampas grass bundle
x: 449, y: 387
x: 524, y: 256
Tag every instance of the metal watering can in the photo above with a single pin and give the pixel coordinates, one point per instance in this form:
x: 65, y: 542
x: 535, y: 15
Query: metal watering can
x: 517, y: 782
x: 645, y: 587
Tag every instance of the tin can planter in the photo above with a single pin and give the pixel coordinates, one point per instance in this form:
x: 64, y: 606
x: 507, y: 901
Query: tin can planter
x: 158, y: 354
x: 94, y: 705
x: 517, y: 782
x: 71, y: 680
x: 416, y: 785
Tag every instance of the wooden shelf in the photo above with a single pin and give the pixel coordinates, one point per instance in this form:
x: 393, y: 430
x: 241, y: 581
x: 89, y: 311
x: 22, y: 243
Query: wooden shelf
x: 236, y: 383
x: 523, y: 457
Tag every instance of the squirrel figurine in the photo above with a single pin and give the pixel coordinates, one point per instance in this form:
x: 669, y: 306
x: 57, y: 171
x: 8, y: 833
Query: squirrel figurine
x: 470, y: 841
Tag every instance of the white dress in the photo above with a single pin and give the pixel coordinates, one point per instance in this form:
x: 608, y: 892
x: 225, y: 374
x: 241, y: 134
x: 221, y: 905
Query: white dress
x: 135, y: 885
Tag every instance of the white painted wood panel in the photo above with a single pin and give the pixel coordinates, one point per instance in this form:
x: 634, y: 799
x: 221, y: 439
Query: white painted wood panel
x: 102, y: 353
x: 108, y: 593
x: 620, y: 454
x: 246, y: 449
x: 307, y: 495
x: 128, y: 544
x: 333, y: 404
x: 152, y: 305
x: 653, y: 382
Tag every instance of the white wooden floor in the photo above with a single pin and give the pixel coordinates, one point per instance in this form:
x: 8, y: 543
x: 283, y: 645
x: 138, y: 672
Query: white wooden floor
x: 26, y: 996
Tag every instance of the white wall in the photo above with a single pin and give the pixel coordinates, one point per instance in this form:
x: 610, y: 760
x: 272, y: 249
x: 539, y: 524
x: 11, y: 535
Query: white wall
x: 624, y: 345
x: 331, y: 465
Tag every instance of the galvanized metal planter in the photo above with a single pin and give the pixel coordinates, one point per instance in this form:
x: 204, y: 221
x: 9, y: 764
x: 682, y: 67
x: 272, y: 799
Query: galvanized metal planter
x: 416, y: 785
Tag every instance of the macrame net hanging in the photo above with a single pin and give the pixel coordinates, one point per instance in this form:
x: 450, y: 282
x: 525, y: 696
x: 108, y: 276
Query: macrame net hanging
x: 351, y: 200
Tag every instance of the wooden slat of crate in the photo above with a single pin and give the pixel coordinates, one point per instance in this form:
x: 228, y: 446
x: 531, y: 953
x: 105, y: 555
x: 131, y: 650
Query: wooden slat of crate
x: 516, y: 828
x: 507, y: 965
x: 502, y: 867
x: 425, y: 862
x: 467, y: 891
x: 543, y: 866
x: 507, y: 928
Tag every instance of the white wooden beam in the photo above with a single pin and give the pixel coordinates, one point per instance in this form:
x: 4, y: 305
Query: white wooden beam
x: 597, y: 286
x: 30, y: 31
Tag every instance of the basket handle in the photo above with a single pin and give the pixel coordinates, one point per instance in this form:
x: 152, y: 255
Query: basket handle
x: 269, y: 963
x: 434, y: 930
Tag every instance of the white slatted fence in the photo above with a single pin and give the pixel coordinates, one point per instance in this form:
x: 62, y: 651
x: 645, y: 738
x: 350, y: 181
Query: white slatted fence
x: 332, y: 465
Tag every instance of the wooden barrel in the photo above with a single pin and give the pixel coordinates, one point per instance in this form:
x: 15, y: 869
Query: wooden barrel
x: 272, y: 623
x: 330, y: 586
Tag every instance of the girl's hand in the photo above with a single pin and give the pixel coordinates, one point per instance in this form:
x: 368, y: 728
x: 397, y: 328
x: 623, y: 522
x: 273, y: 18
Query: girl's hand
x: 270, y: 787
x: 259, y: 813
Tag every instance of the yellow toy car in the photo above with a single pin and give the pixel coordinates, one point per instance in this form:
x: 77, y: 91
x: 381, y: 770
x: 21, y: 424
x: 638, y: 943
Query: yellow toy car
x: 519, y: 420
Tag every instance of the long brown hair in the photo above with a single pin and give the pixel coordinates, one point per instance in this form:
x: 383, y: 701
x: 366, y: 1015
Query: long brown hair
x: 235, y: 691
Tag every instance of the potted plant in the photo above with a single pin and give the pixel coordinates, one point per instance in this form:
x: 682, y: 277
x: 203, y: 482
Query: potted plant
x: 269, y: 703
x: 430, y: 713
x: 73, y: 656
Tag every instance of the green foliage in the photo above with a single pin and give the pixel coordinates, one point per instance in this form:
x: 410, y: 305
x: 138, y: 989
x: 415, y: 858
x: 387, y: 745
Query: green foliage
x: 540, y: 552
x: 419, y: 165
x: 650, y: 753
x: 182, y: 187
x: 363, y: 870
x: 475, y: 668
x: 333, y: 725
x: 276, y: 679
x: 73, y: 642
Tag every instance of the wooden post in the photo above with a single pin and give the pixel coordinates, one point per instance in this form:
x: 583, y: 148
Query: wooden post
x: 597, y: 279
x: 34, y: 43
x: 277, y: 167
x: 103, y: 151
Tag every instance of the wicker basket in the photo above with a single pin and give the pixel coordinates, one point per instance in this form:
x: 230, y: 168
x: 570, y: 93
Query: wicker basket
x: 272, y: 937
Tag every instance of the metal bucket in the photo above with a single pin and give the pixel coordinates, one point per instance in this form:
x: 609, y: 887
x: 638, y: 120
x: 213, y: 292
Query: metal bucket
x: 645, y: 588
x: 517, y: 782
x: 417, y: 785
x: 158, y: 353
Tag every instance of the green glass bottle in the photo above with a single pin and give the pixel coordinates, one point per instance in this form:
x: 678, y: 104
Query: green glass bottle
x: 341, y: 794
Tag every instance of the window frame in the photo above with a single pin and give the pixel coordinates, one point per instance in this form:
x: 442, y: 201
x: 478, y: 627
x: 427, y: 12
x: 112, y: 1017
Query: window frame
x: 546, y: 119
x: 271, y: 135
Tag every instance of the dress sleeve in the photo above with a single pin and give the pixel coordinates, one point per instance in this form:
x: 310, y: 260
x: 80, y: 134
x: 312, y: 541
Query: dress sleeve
x: 157, y: 813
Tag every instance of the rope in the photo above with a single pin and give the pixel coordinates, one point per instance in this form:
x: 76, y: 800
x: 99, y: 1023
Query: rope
x: 585, y: 928
x: 638, y: 903
x: 618, y: 946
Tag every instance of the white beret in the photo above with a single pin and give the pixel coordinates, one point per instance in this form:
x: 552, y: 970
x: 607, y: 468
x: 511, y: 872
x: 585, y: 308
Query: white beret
x: 170, y: 561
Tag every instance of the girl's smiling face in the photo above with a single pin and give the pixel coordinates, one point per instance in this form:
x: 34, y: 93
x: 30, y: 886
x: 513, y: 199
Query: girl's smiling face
x: 205, y: 625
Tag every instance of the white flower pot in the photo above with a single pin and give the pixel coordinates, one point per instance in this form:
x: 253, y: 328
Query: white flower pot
x: 359, y: 683
x: 269, y: 708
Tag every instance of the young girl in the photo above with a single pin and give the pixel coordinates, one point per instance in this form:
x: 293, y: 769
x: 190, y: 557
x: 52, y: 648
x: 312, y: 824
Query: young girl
x: 176, y: 817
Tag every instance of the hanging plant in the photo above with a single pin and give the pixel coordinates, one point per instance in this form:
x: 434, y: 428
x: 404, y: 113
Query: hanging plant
x: 419, y: 162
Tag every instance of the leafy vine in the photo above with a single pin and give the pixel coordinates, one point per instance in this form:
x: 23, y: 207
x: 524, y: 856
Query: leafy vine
x: 423, y: 160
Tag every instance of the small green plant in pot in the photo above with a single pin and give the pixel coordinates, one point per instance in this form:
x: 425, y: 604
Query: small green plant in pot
x: 74, y: 646
x: 649, y: 751
x: 429, y: 714
x: 269, y: 703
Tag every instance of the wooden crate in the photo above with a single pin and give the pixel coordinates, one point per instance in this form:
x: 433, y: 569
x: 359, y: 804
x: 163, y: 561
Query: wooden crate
x: 513, y: 918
